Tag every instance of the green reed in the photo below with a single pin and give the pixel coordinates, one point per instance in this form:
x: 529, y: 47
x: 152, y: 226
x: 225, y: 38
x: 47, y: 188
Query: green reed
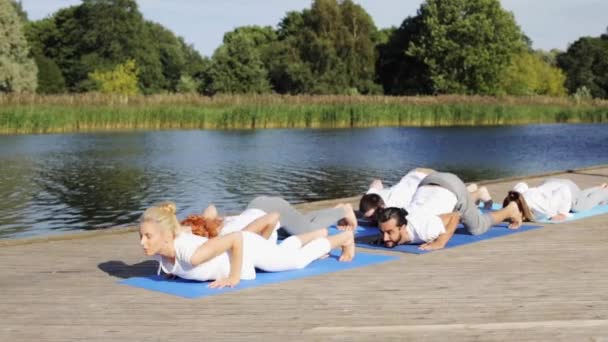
x: 73, y: 113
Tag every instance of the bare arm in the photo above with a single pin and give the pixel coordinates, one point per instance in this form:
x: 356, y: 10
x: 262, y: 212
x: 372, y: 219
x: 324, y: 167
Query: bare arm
x: 232, y: 242
x: 558, y: 217
x: 450, y: 222
x: 263, y: 225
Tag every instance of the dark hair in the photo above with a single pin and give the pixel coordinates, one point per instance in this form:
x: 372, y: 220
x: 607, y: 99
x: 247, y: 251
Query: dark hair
x: 522, y: 205
x: 399, y: 214
x: 369, y: 202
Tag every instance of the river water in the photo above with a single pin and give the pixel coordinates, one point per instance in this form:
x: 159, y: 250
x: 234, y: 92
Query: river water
x: 55, y: 183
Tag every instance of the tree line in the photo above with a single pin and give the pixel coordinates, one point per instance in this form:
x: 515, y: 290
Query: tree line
x: 471, y: 47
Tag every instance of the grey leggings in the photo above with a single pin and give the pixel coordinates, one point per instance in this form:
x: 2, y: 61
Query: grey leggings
x: 473, y: 220
x: 583, y: 200
x: 292, y: 220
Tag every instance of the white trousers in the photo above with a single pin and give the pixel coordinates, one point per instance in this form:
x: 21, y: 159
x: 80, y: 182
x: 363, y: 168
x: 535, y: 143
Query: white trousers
x: 288, y: 255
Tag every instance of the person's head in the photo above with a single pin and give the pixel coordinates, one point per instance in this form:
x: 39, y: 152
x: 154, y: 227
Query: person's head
x: 204, y: 226
x: 369, y: 203
x: 158, y: 226
x: 392, y: 222
x: 522, y: 205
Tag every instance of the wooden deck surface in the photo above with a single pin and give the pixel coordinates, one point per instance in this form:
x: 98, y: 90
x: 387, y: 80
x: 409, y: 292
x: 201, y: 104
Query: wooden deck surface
x: 546, y: 284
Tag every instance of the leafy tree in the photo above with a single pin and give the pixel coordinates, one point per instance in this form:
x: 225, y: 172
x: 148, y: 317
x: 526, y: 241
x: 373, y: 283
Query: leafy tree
x: 19, y: 9
x: 121, y: 80
x: 50, y: 78
x: 465, y: 44
x: 328, y: 48
x: 186, y: 85
x: 17, y: 68
x: 529, y: 74
x: 398, y: 72
x: 237, y: 65
x: 41, y: 34
x: 586, y: 65
x: 99, y: 34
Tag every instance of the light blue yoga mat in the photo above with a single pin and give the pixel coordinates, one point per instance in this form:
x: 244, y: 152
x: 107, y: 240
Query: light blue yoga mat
x: 461, y: 237
x: 195, y: 289
x: 598, y: 210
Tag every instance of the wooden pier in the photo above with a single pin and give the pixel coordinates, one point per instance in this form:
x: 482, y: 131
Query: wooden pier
x: 546, y: 284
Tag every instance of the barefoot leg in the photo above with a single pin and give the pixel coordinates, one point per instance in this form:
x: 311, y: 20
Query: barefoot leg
x: 510, y: 213
x: 346, y: 241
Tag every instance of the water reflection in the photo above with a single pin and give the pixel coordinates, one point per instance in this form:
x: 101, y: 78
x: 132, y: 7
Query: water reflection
x: 89, y: 181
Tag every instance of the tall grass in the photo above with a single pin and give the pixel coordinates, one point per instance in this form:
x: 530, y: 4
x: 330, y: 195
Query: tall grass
x: 71, y: 113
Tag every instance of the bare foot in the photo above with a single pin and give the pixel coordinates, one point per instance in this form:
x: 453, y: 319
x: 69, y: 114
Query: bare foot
x: 515, y: 216
x: 604, y: 185
x: 484, y: 194
x: 349, y: 222
x: 348, y: 249
x: 376, y: 184
x: 472, y: 187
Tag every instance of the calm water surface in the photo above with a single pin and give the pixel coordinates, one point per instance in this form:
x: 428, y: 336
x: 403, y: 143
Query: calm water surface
x: 54, y: 183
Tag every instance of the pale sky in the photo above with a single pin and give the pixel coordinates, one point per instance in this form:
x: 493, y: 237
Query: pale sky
x: 550, y: 23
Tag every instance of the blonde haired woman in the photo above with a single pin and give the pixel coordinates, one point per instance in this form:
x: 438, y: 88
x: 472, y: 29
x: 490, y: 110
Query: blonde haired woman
x: 228, y: 259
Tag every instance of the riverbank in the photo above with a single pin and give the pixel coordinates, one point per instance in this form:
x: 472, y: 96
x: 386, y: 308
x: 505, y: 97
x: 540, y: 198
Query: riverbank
x: 23, y: 114
x: 546, y: 284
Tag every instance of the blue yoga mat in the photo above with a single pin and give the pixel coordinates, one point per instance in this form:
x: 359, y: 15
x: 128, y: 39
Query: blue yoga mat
x: 598, y: 210
x: 461, y: 237
x: 359, y: 231
x: 196, y: 289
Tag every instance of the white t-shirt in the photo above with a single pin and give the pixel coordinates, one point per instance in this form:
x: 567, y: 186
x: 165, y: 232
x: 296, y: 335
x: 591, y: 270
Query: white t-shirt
x: 400, y: 194
x: 239, y: 222
x: 549, y: 199
x: 432, y: 199
x: 423, y: 227
x: 219, y: 267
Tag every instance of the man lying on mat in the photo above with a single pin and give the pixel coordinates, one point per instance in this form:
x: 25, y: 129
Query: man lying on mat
x: 432, y: 209
x: 409, y: 195
x: 228, y: 259
x: 554, y: 199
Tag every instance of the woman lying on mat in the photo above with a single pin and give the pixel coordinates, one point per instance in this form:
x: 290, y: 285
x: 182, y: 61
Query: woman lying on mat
x: 210, y: 224
x: 228, y: 259
x: 554, y: 199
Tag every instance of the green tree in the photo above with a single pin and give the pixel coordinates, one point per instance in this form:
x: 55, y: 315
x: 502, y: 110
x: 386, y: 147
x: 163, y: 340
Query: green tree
x: 398, y: 72
x: 187, y: 85
x: 121, y: 80
x: 238, y: 66
x: 17, y: 69
x: 40, y: 34
x: 99, y: 34
x: 20, y: 11
x: 586, y: 65
x: 530, y: 74
x: 466, y: 44
x: 329, y: 48
x: 50, y: 78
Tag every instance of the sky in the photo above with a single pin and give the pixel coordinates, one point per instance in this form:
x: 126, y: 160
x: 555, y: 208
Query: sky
x: 549, y: 23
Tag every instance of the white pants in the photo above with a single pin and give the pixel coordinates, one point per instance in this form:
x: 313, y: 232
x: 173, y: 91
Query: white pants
x: 289, y: 255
